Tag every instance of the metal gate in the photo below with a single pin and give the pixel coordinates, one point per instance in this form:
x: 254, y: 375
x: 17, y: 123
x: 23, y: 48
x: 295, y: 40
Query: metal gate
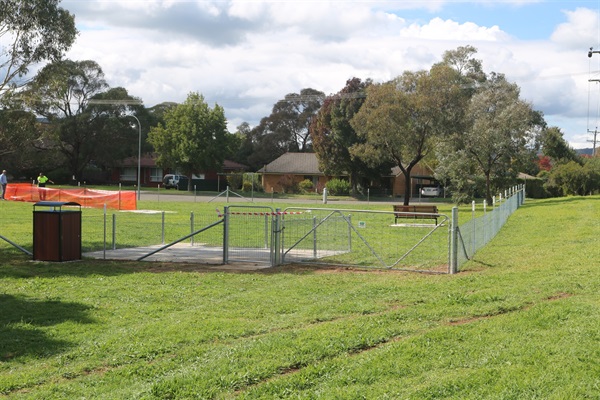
x: 251, y: 234
x: 364, y: 238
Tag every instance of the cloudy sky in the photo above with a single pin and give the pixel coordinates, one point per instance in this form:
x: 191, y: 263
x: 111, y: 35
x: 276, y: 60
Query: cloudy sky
x: 246, y: 55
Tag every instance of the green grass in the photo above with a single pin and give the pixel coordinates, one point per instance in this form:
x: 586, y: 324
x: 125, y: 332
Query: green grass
x: 520, y: 322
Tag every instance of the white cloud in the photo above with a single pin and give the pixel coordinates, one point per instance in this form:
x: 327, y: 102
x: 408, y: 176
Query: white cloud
x: 580, y: 30
x: 246, y: 55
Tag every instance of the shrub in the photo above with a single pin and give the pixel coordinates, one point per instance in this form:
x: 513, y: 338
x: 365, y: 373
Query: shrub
x: 251, y: 180
x: 338, y: 187
x: 234, y: 181
x: 306, y: 186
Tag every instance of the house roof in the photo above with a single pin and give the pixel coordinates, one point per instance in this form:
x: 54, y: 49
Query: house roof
x: 293, y: 163
x: 229, y: 165
x: 149, y: 160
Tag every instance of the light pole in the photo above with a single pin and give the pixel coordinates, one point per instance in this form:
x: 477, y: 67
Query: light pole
x: 139, y: 166
x: 128, y: 102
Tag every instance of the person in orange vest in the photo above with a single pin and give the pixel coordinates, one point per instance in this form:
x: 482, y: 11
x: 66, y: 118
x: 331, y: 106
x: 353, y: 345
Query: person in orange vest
x: 41, y: 182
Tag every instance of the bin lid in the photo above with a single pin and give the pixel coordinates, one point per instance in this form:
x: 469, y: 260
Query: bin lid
x: 56, y: 204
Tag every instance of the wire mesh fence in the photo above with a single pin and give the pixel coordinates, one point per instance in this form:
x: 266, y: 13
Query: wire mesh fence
x: 136, y: 229
x: 479, y: 231
x: 263, y: 234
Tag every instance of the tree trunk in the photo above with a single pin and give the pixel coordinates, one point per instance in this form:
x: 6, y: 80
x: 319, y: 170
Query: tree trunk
x: 488, y: 191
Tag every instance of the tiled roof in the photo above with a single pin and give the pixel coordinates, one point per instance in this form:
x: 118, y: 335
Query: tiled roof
x: 293, y: 163
x: 148, y: 160
x: 229, y: 165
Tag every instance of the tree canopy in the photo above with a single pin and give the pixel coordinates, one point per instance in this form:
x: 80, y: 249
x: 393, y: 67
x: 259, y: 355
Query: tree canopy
x: 81, y: 132
x: 33, y: 31
x: 193, y: 137
x: 332, y: 135
x: 495, y: 143
x: 401, y: 119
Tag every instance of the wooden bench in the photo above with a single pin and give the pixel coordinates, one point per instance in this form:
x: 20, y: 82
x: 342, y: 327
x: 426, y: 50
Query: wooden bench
x: 416, y: 212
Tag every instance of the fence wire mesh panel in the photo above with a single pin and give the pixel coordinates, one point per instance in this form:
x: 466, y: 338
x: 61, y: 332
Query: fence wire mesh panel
x: 370, y: 239
x: 479, y: 231
x: 137, y: 229
x: 249, y: 234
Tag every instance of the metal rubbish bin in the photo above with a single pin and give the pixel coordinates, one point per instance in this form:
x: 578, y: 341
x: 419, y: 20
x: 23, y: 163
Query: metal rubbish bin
x: 56, y: 231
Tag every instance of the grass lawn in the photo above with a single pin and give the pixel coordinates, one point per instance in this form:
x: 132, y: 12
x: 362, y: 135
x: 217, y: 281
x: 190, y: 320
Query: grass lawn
x: 521, y: 321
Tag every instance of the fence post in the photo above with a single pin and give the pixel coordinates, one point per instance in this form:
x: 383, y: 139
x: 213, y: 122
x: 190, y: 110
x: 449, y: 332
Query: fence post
x: 276, y: 238
x: 350, y: 232
x: 474, y: 244
x: 453, y: 262
x: 226, y: 235
x: 192, y: 227
x: 114, y: 232
x: 104, y: 219
x: 314, y: 227
x: 162, y: 229
x: 484, y: 233
x: 267, y: 230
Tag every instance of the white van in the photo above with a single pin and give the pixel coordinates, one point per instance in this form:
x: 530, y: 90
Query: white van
x: 430, y: 191
x: 172, y: 180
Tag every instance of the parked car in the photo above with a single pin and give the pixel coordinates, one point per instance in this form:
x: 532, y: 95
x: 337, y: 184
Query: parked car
x: 430, y: 191
x: 172, y: 180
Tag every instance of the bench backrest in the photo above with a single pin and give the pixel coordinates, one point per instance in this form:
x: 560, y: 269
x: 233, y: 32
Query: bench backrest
x: 416, y: 209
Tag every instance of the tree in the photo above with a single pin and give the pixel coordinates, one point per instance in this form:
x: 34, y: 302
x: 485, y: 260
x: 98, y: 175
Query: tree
x: 33, y: 31
x: 400, y: 120
x: 285, y: 130
x: 469, y: 69
x: 556, y: 147
x: 500, y: 126
x: 572, y: 178
x: 81, y: 132
x: 18, y: 130
x: 332, y: 135
x: 193, y: 137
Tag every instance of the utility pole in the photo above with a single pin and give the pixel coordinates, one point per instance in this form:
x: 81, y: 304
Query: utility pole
x: 594, y: 141
x: 595, y: 131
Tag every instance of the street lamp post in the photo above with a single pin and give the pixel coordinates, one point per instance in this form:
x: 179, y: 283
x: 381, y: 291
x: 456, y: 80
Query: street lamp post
x: 128, y: 102
x: 139, y: 163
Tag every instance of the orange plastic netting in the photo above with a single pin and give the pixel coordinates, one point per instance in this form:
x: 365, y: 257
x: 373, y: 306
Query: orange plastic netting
x: 121, y: 200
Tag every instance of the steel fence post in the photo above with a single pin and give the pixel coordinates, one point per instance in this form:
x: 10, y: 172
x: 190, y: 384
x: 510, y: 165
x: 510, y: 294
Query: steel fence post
x: 104, y: 239
x: 473, y: 246
x: 277, y: 238
x: 266, y: 230
x: 314, y: 227
x: 349, y: 232
x: 192, y: 227
x: 162, y: 229
x: 226, y: 235
x: 453, y: 262
x: 114, y: 232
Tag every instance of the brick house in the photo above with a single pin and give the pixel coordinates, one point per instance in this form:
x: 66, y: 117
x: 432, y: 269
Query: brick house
x: 296, y: 167
x: 292, y: 168
x: 151, y: 175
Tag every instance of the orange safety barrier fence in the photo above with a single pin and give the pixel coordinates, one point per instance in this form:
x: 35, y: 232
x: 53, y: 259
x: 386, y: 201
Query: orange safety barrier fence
x: 121, y: 200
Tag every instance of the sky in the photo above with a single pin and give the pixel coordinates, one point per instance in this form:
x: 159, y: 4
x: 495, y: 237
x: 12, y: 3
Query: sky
x: 245, y: 55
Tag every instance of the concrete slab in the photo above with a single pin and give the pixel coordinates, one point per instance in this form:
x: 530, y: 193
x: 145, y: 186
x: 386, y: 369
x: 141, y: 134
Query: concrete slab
x: 180, y: 252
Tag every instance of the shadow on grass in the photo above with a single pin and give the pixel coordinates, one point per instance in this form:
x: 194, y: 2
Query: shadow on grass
x: 18, y: 265
x: 22, y: 318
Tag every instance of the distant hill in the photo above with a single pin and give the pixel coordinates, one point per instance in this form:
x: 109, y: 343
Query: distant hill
x: 587, y: 152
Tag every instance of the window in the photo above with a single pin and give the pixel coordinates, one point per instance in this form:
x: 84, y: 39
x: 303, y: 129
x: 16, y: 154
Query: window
x: 156, y: 174
x: 198, y: 176
x: 128, y: 174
